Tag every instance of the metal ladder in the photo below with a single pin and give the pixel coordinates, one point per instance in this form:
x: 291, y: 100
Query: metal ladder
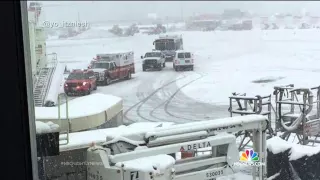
x: 43, y: 81
x: 42, y: 85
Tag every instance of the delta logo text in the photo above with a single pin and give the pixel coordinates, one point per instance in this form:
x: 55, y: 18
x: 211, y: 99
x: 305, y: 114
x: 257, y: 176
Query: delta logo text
x: 249, y: 158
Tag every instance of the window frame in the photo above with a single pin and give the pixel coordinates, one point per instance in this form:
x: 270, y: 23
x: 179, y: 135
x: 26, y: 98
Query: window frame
x: 19, y: 129
x: 26, y: 57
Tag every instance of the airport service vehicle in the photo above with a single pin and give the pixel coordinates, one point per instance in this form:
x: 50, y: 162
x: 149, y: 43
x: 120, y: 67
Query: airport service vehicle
x: 153, y: 154
x: 80, y: 82
x: 183, y: 60
x: 168, y: 45
x: 112, y: 67
x: 154, y: 59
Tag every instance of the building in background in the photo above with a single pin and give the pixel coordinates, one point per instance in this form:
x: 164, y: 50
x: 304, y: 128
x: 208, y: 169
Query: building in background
x: 37, y: 38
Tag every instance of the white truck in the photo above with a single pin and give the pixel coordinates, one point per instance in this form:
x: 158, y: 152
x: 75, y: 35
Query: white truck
x: 152, y: 155
x: 183, y: 60
x: 113, y: 66
x: 154, y: 59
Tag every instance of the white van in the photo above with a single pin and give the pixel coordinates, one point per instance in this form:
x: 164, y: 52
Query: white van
x: 183, y: 60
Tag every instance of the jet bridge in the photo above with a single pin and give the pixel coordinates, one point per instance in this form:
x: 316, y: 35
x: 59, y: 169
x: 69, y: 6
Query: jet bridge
x: 122, y: 158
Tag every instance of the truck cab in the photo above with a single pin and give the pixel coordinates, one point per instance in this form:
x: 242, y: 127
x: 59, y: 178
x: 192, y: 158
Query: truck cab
x: 80, y: 82
x: 113, y: 67
x: 183, y: 60
x: 154, y: 59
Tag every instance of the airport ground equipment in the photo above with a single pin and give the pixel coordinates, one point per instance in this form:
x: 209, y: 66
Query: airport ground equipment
x: 122, y: 157
x: 296, y: 114
x: 247, y: 105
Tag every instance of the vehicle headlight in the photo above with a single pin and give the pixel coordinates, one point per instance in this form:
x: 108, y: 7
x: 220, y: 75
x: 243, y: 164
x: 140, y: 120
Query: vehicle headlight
x: 84, y: 83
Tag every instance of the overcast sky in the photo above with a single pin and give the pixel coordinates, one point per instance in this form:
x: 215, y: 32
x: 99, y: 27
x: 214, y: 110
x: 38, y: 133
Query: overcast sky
x: 121, y: 10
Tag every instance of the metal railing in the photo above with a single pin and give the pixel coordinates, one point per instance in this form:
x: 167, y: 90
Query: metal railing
x: 66, y: 118
x: 50, y: 68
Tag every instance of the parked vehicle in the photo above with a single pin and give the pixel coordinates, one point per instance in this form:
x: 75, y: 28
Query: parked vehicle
x: 91, y: 62
x: 154, y: 59
x: 80, y: 82
x: 183, y: 60
x: 113, y: 67
x: 168, y: 45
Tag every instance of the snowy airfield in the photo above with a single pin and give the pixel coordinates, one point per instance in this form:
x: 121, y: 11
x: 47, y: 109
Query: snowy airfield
x: 225, y: 62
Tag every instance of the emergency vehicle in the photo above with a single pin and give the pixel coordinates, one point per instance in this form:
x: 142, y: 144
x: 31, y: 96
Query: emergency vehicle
x: 80, y: 82
x: 112, y: 67
x: 169, y: 44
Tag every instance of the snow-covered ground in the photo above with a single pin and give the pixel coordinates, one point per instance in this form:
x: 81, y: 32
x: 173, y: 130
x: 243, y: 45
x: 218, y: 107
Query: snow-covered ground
x: 225, y: 62
x: 284, y: 57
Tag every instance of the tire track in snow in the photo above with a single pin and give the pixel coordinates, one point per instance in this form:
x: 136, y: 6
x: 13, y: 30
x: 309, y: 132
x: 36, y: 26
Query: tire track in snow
x: 143, y: 101
x: 165, y: 103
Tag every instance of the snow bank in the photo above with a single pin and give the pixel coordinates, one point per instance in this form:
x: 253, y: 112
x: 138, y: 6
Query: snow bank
x: 55, y: 85
x: 79, y: 107
x: 46, y: 127
x: 286, y: 160
x: 149, y: 164
x: 277, y: 145
x: 85, y: 139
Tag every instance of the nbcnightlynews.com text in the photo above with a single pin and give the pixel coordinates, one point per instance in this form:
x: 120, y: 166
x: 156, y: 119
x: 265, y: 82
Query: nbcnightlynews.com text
x: 67, y: 163
x: 248, y: 163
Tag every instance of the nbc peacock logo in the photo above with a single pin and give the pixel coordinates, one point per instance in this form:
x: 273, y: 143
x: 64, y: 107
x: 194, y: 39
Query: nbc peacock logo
x: 249, y: 158
x: 249, y: 155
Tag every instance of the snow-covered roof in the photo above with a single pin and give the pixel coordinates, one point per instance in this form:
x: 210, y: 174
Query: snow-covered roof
x: 48, y: 127
x: 84, y: 139
x: 173, y: 36
x: 79, y: 107
x: 116, y: 52
x: 277, y: 145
